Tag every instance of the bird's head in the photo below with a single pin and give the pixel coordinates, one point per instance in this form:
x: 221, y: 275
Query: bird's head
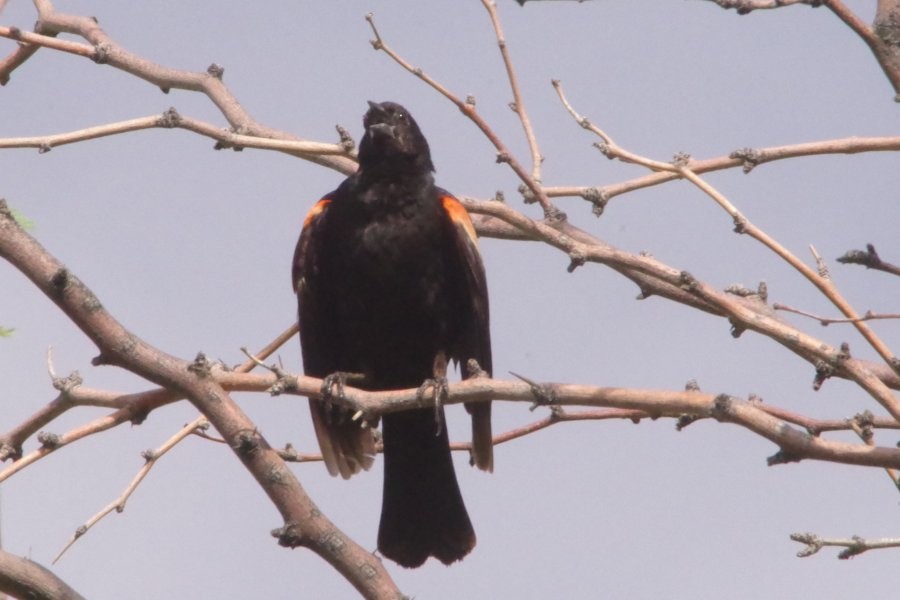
x: 393, y: 141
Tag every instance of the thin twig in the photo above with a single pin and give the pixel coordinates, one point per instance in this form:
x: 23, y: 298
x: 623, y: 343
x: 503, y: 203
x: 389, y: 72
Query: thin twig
x: 289, y: 453
x: 560, y: 416
x: 54, y: 442
x: 518, y: 104
x: 269, y: 349
x: 151, y: 457
x: 825, y: 321
x: 609, y: 148
x: 818, y: 426
x: 29, y: 38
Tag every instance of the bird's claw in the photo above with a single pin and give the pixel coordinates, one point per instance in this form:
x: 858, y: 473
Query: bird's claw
x: 441, y: 391
x: 335, y: 411
x: 544, y: 394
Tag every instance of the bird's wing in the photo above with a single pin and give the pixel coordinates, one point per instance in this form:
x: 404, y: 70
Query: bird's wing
x: 475, y: 339
x: 346, y: 446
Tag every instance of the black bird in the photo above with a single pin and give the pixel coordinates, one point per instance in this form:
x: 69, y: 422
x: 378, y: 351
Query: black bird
x: 390, y: 288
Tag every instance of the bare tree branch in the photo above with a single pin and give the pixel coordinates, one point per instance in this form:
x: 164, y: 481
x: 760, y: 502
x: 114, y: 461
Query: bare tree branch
x: 172, y: 119
x: 745, y: 158
x: 557, y: 415
x: 103, y: 50
x: 21, y: 578
x: 132, y: 408
x: 743, y: 225
x: 652, y: 404
x: 794, y: 443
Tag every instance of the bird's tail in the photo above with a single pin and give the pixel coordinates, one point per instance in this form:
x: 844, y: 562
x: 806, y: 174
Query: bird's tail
x: 422, y: 511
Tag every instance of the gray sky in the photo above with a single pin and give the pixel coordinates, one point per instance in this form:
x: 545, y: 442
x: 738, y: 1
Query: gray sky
x: 191, y: 249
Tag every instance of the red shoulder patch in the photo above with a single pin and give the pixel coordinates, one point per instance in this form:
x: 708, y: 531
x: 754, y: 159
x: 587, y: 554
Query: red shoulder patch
x: 459, y: 215
x: 317, y: 209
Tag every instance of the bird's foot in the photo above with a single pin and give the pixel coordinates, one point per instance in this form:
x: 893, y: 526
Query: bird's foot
x: 440, y: 391
x: 544, y: 393
x: 333, y: 397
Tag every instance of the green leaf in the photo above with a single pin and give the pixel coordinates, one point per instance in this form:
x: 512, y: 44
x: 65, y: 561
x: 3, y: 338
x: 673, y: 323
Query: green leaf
x: 23, y: 221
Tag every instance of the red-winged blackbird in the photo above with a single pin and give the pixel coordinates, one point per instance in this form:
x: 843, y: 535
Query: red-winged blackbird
x: 390, y: 287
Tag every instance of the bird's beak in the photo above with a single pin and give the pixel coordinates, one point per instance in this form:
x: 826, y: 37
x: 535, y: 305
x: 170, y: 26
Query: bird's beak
x: 377, y: 119
x: 377, y: 113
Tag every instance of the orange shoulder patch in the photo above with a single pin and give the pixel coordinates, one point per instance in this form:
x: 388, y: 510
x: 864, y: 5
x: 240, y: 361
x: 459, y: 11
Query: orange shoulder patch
x: 460, y: 216
x: 317, y: 209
